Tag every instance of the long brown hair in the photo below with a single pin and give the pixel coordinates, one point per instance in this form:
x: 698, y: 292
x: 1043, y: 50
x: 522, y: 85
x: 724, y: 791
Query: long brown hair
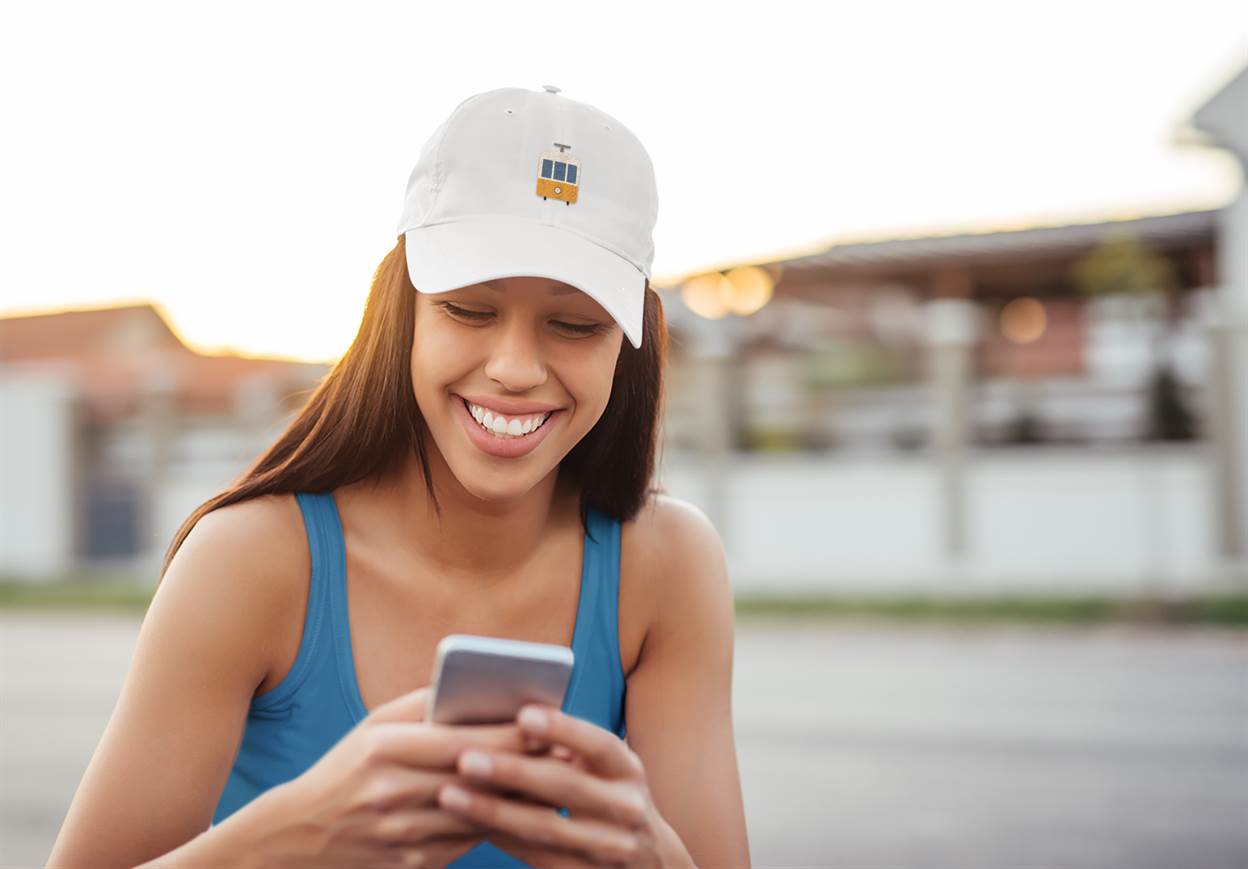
x: 362, y: 420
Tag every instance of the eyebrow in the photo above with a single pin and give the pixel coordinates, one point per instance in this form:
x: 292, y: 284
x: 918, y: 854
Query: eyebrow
x: 557, y: 291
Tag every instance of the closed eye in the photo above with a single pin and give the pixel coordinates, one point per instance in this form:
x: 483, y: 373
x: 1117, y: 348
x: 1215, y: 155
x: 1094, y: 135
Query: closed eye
x: 480, y: 316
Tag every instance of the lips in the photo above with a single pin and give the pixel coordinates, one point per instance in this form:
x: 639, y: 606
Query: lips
x: 527, y: 423
x: 507, y: 448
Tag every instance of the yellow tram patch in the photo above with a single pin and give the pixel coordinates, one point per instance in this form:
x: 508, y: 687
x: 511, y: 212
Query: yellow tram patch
x: 558, y: 175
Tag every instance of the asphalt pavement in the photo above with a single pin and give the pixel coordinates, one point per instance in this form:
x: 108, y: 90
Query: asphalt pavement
x: 860, y: 743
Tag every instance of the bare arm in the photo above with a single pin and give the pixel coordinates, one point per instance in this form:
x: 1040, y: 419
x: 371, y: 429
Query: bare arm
x: 237, y: 842
x: 679, y: 700
x: 164, y: 757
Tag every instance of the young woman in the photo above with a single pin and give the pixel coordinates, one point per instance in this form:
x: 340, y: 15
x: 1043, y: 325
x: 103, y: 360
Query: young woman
x: 480, y: 461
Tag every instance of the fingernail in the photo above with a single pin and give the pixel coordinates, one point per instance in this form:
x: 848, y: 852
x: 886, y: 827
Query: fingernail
x: 532, y: 718
x: 454, y: 798
x: 476, y: 763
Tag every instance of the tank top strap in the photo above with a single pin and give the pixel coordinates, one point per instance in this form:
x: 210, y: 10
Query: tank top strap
x: 602, y: 568
x: 315, y: 641
x: 598, y: 674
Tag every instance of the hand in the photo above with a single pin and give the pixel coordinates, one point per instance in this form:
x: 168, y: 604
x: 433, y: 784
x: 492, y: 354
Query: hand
x: 589, y: 770
x: 370, y: 801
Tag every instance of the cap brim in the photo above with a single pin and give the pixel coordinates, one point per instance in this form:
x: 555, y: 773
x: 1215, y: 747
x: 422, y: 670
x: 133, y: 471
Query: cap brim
x: 446, y: 256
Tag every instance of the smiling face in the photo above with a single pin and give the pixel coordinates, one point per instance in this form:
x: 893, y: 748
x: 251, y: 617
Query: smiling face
x: 521, y: 346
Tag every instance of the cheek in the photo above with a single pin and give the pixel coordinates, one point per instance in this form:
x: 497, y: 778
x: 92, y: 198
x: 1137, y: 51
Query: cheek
x: 436, y: 350
x: 433, y: 364
x: 593, y: 386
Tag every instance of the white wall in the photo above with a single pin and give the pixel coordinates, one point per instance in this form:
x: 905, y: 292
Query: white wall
x: 1109, y: 519
x: 36, y: 470
x: 205, y: 460
x: 1040, y: 520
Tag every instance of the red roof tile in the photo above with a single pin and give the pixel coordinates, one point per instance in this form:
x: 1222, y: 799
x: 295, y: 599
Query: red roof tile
x: 118, y: 354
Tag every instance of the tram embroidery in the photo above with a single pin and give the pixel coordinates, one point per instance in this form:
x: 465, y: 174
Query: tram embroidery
x: 558, y: 175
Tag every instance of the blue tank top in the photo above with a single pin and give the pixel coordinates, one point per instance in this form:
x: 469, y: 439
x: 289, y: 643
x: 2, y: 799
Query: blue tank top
x: 292, y: 725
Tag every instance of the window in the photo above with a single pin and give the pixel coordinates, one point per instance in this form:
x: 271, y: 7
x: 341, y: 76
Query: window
x: 560, y: 168
x: 547, y: 168
x: 571, y: 173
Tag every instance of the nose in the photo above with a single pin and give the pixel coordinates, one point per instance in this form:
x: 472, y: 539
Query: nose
x: 516, y: 361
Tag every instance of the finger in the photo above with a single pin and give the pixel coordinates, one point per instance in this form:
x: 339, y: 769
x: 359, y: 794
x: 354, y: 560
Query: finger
x: 557, y: 783
x: 437, y: 746
x: 505, y: 793
x: 414, y: 826
x: 498, y: 790
x: 406, y: 707
x: 601, y: 749
x: 400, y: 788
x: 541, y: 748
x: 537, y: 855
x: 564, y: 755
x: 597, y: 840
x: 442, y: 851
x: 544, y: 748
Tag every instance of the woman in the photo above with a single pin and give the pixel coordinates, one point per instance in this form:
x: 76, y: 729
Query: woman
x: 478, y: 462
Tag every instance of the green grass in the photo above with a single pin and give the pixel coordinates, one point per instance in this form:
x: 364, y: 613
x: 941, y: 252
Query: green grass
x: 76, y: 594
x: 1231, y: 610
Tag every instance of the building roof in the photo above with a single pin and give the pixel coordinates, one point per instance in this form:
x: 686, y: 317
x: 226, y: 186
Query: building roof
x: 1011, y: 244
x: 998, y: 264
x: 88, y: 332
x: 1224, y: 116
x: 118, y: 355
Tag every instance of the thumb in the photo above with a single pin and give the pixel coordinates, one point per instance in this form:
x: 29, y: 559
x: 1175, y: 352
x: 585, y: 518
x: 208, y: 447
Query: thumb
x: 406, y: 707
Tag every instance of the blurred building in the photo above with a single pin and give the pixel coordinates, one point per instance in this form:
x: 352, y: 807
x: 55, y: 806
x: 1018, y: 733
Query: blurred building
x: 1026, y: 409
x: 1071, y: 338
x: 114, y: 430
x: 1029, y: 409
x: 1222, y: 122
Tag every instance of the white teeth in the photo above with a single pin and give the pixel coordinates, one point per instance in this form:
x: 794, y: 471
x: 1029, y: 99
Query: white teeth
x: 505, y: 428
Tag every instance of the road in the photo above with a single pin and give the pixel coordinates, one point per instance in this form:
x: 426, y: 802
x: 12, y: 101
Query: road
x: 861, y: 744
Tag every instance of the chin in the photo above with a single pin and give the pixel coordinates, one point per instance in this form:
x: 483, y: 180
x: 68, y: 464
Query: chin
x: 499, y: 488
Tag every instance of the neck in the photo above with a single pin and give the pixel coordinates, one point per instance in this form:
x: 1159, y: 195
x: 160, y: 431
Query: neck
x: 482, y: 540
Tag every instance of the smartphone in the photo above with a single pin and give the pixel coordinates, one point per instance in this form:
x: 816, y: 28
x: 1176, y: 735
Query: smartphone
x: 486, y: 680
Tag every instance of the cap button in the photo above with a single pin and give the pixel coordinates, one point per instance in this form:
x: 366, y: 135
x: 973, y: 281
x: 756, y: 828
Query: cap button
x: 550, y: 88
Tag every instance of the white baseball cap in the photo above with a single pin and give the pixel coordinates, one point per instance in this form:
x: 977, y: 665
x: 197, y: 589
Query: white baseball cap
x: 520, y: 182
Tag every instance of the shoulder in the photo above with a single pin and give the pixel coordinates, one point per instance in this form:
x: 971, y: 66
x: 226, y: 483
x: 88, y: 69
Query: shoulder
x: 678, y: 565
x: 265, y: 535
x: 672, y: 532
x: 244, y: 569
x: 253, y: 553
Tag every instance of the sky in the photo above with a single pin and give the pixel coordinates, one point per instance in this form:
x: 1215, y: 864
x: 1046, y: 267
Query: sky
x: 242, y: 165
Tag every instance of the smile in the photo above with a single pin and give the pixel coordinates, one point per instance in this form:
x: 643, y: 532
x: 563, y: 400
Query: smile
x: 506, y: 427
x: 518, y: 436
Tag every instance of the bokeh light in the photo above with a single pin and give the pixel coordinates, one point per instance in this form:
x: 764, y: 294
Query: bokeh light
x: 1023, y: 320
x: 704, y: 295
x: 751, y: 288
